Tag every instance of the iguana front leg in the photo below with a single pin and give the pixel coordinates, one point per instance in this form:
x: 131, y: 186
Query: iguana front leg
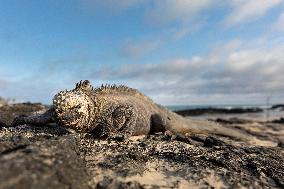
x: 121, y: 121
x: 45, y: 118
x: 124, y: 119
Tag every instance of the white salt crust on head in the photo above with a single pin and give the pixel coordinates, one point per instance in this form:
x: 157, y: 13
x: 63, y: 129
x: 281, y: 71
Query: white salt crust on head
x: 72, y: 109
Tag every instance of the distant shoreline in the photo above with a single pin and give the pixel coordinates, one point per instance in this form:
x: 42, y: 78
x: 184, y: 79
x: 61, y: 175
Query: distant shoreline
x: 226, y: 109
x: 222, y: 106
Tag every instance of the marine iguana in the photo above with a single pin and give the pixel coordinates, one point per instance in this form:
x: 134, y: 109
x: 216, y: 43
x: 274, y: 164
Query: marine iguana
x: 112, y: 108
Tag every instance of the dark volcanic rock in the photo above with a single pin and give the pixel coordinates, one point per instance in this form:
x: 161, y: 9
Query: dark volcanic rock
x: 281, y: 144
x: 233, y: 120
x: 33, y: 159
x: 202, y: 111
x: 281, y: 120
x: 211, y: 141
x: 278, y: 106
x: 2, y: 124
x: 9, y: 112
x: 52, y: 157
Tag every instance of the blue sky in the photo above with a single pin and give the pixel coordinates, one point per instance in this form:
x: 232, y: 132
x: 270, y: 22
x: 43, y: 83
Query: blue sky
x: 175, y: 51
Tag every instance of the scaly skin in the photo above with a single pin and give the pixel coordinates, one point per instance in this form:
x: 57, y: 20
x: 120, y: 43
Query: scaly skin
x: 120, y: 109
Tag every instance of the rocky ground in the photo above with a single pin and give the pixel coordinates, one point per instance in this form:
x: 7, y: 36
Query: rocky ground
x: 49, y: 156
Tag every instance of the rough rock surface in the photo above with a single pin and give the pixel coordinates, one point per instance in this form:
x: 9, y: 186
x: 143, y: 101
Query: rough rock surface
x: 49, y: 156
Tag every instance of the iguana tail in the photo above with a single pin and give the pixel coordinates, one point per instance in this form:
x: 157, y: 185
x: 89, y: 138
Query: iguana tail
x: 180, y: 125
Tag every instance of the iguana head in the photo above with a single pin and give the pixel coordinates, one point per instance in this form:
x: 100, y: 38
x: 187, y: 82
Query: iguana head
x: 73, y: 108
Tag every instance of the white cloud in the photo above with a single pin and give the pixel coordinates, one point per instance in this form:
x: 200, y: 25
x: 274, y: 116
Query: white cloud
x: 247, y: 59
x: 3, y: 83
x: 185, y: 30
x: 183, y: 17
x: 169, y: 70
x: 279, y: 25
x: 235, y: 72
x: 242, y: 70
x: 148, y: 44
x: 169, y: 11
x: 247, y: 10
x: 140, y: 48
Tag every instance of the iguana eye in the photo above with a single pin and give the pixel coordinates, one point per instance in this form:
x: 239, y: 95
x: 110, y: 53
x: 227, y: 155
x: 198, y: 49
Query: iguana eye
x: 78, y: 106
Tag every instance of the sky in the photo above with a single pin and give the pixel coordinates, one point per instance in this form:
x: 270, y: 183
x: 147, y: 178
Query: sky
x: 178, y: 52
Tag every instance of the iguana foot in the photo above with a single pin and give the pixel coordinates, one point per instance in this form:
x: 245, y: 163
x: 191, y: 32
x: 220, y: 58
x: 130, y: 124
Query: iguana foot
x: 20, y: 120
x: 45, y: 118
